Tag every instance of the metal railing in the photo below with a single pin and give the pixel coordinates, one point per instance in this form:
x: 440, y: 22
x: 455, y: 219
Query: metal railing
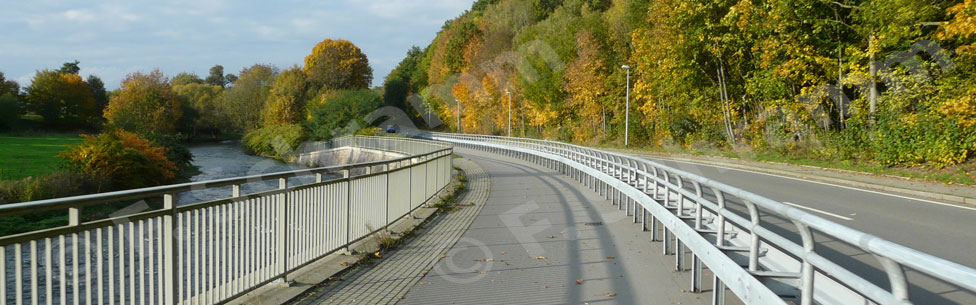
x: 746, y: 254
x: 211, y: 252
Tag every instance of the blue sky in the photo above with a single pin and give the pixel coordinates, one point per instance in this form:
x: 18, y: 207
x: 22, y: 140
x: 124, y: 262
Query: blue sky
x: 114, y: 38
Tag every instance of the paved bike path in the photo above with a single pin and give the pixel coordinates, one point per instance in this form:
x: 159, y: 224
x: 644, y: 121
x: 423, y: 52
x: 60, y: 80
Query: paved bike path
x: 543, y: 238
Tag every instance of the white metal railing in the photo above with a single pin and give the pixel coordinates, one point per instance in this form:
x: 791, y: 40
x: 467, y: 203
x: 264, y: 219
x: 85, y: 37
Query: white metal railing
x: 728, y: 230
x: 211, y: 252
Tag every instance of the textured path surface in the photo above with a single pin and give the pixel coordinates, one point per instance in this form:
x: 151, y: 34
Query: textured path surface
x: 542, y: 238
x: 399, y: 270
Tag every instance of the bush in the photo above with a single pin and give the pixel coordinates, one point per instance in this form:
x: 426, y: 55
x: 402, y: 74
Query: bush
x: 47, y: 186
x: 341, y: 113
x: 122, y: 157
x: 9, y: 112
x: 274, y: 141
x: 175, y: 151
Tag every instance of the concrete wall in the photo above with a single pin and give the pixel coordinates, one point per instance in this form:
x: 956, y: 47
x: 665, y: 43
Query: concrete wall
x: 343, y: 155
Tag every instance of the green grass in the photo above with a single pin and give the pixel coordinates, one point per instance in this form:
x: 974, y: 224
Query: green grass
x: 25, y: 156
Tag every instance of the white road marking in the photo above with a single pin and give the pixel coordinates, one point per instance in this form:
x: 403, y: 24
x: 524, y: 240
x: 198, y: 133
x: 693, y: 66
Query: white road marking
x: 825, y: 183
x: 818, y: 211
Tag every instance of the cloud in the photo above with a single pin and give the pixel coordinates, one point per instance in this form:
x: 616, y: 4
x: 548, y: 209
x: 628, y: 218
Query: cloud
x: 112, y: 38
x: 79, y: 15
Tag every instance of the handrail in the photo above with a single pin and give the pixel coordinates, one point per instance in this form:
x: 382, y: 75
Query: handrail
x: 891, y: 255
x: 214, y: 251
x: 91, y: 199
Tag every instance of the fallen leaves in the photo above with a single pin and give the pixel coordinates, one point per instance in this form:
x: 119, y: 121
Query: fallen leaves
x: 443, y: 255
x: 377, y: 255
x: 611, y: 257
x: 344, y: 264
x: 540, y: 257
x: 484, y: 260
x: 480, y: 271
x: 609, y: 294
x: 579, y: 282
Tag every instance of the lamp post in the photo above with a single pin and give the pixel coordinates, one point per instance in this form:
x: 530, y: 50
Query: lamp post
x: 509, y: 112
x: 627, y: 111
x: 458, y: 115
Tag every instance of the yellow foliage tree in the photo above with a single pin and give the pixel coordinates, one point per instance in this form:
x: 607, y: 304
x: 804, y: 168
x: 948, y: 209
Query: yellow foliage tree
x: 584, y: 83
x: 286, y: 104
x: 146, y: 104
x: 962, y: 26
x: 338, y: 64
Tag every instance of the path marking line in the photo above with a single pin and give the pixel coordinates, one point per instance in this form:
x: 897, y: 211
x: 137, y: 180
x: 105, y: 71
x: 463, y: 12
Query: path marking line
x: 818, y: 211
x: 823, y: 183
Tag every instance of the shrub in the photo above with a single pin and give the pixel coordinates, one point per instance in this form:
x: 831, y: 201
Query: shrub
x: 47, y: 186
x: 342, y: 112
x: 9, y: 112
x: 274, y: 141
x: 124, y: 158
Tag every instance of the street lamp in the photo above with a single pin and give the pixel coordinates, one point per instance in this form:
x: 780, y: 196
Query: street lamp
x: 458, y: 115
x: 509, y: 112
x: 627, y: 111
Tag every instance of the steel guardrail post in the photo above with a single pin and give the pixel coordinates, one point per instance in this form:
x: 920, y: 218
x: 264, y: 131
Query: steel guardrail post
x: 171, y: 268
x: 281, y: 230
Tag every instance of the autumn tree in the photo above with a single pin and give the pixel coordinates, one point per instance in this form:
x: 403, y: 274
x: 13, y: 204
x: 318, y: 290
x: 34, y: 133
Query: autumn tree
x: 338, y: 64
x: 241, y: 105
x: 64, y: 100
x: 585, y: 86
x: 286, y: 103
x: 146, y: 104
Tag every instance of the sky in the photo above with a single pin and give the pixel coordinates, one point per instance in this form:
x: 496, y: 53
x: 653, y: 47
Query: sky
x: 114, y: 38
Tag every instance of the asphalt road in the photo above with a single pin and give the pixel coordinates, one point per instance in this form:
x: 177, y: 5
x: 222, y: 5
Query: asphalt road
x: 941, y: 229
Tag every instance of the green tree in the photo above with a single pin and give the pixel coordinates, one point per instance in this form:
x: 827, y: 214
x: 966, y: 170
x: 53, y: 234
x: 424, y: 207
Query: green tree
x: 216, y: 77
x: 10, y: 111
x: 202, y: 100
x: 70, y: 68
x: 242, y: 104
x: 184, y: 78
x: 8, y: 86
x: 146, y: 104
x: 230, y: 78
x: 338, y: 64
x: 64, y: 100
x: 97, y: 88
x: 399, y: 83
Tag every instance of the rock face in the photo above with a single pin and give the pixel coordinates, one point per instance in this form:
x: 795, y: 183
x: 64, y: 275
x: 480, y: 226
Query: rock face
x: 343, y: 155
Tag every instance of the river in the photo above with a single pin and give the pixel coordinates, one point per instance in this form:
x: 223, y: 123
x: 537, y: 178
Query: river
x: 227, y: 160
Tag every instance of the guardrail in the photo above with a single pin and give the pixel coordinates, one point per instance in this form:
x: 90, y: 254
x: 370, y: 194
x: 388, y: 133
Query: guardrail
x: 211, y: 252
x: 726, y: 229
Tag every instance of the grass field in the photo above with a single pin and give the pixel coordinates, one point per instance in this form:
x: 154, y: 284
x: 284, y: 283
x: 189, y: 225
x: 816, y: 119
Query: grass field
x: 24, y: 156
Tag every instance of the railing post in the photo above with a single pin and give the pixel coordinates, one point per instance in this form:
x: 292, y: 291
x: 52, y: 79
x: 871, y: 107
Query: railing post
x: 171, y: 268
x: 806, y: 277
x: 348, y: 176
x: 387, y: 227
x: 282, y: 232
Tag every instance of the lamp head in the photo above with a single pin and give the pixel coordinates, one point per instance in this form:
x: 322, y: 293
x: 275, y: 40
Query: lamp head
x: 625, y: 67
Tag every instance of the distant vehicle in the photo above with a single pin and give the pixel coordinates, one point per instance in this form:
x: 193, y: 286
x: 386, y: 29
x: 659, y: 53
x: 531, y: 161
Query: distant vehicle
x: 392, y: 129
